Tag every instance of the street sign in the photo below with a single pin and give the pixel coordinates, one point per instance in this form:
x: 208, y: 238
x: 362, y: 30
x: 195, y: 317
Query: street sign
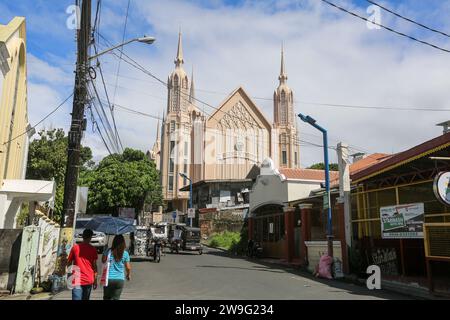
x: 191, y: 213
x: 326, y: 202
x: 174, y: 215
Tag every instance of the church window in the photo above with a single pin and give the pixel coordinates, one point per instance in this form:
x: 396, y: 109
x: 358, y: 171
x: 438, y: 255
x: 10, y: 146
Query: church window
x: 186, y: 150
x: 283, y: 108
x: 284, y: 155
x: 172, y: 126
x: 175, y: 94
x: 171, y: 165
x: 172, y: 157
x: 185, y: 170
x: 170, y: 183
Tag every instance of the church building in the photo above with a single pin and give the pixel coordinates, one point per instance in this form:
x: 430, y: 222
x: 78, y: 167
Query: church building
x: 225, y: 144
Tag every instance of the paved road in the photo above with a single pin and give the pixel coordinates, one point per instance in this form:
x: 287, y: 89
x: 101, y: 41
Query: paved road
x: 215, y: 275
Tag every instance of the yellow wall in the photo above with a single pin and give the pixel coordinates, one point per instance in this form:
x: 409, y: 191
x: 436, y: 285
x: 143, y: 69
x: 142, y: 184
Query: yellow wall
x: 13, y: 102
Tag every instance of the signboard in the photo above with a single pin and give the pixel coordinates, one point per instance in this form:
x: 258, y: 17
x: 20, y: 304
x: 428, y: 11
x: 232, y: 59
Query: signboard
x: 127, y: 213
x: 441, y: 187
x: 191, y: 213
x: 402, y: 221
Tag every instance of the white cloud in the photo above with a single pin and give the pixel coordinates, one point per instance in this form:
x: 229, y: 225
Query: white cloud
x: 330, y: 57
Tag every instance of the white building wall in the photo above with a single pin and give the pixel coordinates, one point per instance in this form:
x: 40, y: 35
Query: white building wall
x: 298, y: 189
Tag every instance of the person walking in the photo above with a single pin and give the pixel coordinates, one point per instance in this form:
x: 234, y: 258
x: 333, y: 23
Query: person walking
x: 118, y: 268
x: 84, y: 257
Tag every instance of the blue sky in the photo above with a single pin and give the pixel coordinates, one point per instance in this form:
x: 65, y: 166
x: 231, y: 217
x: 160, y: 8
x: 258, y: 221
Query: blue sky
x: 331, y: 57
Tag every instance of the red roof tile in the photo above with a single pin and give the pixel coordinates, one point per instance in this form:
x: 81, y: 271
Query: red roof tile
x: 307, y: 174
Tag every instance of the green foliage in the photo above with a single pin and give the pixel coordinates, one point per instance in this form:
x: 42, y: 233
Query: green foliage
x: 23, y: 214
x: 122, y: 180
x: 321, y: 166
x: 47, y: 160
x: 225, y: 240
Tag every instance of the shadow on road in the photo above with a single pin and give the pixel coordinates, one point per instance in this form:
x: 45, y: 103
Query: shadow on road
x: 256, y: 268
x: 341, y: 285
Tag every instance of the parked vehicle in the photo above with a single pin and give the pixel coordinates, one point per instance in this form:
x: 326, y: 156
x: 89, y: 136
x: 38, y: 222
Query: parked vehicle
x: 98, y: 239
x: 175, y: 246
x: 254, y: 249
x: 191, y: 239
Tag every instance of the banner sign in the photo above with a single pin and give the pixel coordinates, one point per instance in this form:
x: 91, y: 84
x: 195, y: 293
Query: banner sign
x: 402, y: 221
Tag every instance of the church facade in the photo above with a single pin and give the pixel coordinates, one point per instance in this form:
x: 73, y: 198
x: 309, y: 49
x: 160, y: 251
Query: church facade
x: 225, y: 144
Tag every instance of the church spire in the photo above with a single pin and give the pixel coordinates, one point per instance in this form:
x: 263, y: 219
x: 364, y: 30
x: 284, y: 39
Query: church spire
x: 179, y: 60
x: 283, y: 75
x: 192, y: 90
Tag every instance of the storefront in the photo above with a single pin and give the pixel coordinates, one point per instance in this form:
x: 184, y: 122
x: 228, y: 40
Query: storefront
x: 398, y: 222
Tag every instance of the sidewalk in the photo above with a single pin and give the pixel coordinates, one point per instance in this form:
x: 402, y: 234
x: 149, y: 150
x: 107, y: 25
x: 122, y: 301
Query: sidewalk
x: 38, y: 296
x: 409, y: 289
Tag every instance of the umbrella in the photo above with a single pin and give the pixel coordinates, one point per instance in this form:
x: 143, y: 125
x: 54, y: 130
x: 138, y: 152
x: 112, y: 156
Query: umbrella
x: 111, y: 225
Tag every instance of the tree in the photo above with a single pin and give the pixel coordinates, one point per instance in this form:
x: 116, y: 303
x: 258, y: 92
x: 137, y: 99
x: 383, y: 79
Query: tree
x: 321, y: 166
x: 47, y: 160
x: 129, y: 179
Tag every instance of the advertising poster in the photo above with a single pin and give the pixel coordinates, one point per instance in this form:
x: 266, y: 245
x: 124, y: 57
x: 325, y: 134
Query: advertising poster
x: 402, y: 221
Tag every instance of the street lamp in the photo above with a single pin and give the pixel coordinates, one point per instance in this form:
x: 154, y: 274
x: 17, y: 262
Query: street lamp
x: 183, y: 175
x: 144, y: 39
x: 312, y: 122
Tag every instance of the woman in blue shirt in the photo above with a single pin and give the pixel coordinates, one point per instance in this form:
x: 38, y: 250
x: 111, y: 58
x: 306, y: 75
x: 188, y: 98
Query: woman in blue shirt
x: 119, y: 268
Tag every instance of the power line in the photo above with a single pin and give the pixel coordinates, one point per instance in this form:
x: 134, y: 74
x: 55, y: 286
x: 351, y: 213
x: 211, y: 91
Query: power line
x: 387, y: 28
x: 324, y: 104
x: 408, y: 19
x: 108, y: 130
x: 94, y: 122
x: 136, y: 65
x: 116, y: 132
x: 40, y: 121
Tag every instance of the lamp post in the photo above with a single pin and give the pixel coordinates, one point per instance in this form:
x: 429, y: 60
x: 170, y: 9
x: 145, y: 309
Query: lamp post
x: 144, y: 39
x: 183, y: 175
x: 327, y: 197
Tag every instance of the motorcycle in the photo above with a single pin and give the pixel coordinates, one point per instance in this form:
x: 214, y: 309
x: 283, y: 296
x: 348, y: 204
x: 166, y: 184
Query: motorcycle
x: 175, y: 245
x: 254, y: 249
x: 155, y: 250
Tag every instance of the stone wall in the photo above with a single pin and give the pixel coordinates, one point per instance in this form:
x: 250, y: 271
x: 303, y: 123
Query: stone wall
x: 220, y: 221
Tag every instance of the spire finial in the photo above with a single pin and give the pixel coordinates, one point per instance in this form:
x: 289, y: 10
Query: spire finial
x: 179, y: 60
x: 283, y: 75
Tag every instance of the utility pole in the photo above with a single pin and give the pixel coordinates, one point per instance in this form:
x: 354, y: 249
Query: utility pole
x: 74, y: 140
x: 77, y: 125
x: 344, y: 190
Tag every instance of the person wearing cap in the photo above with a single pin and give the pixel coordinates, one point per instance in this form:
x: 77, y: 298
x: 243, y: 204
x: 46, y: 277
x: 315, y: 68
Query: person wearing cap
x: 84, y: 256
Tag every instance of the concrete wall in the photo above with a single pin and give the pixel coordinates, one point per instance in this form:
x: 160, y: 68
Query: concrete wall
x: 10, y: 240
x: 298, y: 189
x: 268, y: 189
